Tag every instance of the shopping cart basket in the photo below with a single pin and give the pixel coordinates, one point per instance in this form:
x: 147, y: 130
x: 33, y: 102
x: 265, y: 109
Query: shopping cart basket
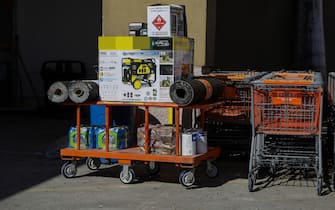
x: 331, y: 123
x: 286, y: 115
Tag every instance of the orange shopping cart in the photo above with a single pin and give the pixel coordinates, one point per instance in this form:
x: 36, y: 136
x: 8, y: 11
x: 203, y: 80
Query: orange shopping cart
x: 286, y: 117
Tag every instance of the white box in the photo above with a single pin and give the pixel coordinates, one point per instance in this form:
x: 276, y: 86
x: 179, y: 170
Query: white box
x: 166, y: 20
x: 189, y: 143
x: 202, y: 142
x: 170, y: 58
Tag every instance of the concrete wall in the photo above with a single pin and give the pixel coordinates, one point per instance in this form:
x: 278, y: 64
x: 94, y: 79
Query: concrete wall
x: 118, y: 13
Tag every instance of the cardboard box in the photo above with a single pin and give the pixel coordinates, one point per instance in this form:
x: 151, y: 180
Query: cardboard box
x: 142, y: 69
x: 166, y: 20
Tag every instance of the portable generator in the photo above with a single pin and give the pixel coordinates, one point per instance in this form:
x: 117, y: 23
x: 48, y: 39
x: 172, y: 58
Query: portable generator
x: 138, y: 72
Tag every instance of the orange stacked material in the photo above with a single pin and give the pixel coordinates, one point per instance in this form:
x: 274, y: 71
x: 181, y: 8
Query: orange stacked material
x: 236, y: 94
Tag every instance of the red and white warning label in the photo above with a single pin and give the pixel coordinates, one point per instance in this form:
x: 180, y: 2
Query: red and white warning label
x: 159, y: 22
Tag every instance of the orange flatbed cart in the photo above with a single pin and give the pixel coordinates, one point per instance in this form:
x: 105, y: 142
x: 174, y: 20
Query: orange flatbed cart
x: 127, y: 157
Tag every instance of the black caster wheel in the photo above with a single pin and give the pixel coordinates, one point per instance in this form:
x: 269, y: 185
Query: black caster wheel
x: 127, y: 178
x: 153, y: 167
x: 251, y: 182
x: 333, y: 181
x: 93, y: 163
x: 69, y: 169
x: 186, y: 178
x: 212, y: 170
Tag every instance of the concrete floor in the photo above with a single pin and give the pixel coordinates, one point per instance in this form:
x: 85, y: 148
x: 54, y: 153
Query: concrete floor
x: 30, y: 178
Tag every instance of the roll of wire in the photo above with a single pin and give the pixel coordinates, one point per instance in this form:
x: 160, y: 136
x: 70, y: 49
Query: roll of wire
x: 193, y: 91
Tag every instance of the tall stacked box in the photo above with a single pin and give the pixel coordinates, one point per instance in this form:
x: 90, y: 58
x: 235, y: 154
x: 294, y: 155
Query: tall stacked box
x: 166, y: 20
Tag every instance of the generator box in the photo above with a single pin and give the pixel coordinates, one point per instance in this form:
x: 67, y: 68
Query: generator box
x: 142, y: 69
x: 166, y: 20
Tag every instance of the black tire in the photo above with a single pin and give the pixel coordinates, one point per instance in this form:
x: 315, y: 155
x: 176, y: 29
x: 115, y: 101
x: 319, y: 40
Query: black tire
x: 127, y: 178
x: 69, y: 169
x: 93, y: 163
x: 251, y: 182
x: 186, y: 178
x: 212, y: 171
x: 153, y: 167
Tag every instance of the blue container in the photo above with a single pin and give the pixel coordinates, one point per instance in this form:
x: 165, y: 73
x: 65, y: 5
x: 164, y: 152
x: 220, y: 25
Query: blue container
x: 120, y: 115
x: 97, y: 115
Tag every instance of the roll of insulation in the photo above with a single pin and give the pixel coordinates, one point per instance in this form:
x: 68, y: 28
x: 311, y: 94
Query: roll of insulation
x: 83, y: 91
x: 58, y: 91
x: 186, y: 92
x: 192, y: 91
x: 217, y: 86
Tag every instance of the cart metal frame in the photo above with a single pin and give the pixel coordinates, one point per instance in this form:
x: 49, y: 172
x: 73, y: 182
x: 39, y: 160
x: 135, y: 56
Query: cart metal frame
x: 286, y: 119
x: 331, y: 122
x: 229, y: 125
x: 128, y: 157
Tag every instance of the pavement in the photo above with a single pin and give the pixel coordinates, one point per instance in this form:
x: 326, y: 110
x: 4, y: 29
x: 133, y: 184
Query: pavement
x: 30, y: 178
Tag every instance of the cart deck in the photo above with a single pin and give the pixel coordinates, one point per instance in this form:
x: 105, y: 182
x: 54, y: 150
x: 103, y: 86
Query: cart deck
x: 127, y: 157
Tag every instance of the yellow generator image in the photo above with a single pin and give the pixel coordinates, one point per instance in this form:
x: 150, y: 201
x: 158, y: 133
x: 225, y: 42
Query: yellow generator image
x: 138, y: 72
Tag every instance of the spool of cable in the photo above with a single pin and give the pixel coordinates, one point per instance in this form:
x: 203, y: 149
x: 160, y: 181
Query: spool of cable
x: 192, y: 91
x: 83, y: 91
x: 58, y: 91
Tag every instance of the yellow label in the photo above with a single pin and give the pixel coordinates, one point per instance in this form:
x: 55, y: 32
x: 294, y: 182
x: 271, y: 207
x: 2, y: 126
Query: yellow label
x: 143, y: 69
x: 123, y: 43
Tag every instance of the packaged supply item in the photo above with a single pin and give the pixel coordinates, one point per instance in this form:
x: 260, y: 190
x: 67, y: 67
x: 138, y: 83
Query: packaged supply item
x: 202, y: 142
x: 117, y: 138
x: 163, y: 140
x: 142, y: 69
x: 189, y: 143
x: 141, y: 135
x: 166, y: 20
x: 86, y: 137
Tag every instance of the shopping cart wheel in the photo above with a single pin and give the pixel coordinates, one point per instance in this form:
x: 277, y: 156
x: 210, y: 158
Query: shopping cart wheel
x: 153, y: 167
x: 69, y: 169
x: 211, y: 170
x: 319, y: 185
x: 127, y: 176
x: 93, y: 163
x: 186, y: 178
x: 251, y: 182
